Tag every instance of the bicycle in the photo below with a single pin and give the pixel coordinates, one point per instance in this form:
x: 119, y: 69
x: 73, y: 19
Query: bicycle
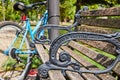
x: 17, y: 35
x: 37, y: 40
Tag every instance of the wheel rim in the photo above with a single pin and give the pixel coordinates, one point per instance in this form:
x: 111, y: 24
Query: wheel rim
x: 10, y: 71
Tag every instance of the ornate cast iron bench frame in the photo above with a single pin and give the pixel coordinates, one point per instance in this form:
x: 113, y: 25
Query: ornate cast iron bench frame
x: 65, y: 60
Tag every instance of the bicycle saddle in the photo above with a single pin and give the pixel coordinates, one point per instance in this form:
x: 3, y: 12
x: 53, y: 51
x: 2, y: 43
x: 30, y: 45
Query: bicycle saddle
x: 19, y: 6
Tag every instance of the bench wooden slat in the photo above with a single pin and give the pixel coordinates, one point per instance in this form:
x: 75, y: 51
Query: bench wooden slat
x: 86, y: 76
x: 108, y: 23
x: 105, y: 61
x: 85, y: 63
x: 114, y: 11
x: 104, y: 46
x: 76, y: 76
x: 42, y: 53
x: 54, y: 75
x: 96, y: 29
x: 101, y: 46
x: 71, y: 75
x: 91, y: 53
x: 117, y: 68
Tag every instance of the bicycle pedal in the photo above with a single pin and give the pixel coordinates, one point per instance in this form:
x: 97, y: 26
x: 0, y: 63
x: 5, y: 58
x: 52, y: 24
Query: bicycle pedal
x: 12, y: 53
x: 32, y: 45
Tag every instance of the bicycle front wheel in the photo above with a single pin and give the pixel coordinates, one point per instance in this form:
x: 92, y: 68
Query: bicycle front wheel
x: 11, y: 36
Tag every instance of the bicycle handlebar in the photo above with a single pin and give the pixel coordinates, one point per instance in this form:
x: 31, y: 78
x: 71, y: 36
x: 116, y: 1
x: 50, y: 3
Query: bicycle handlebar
x: 19, y: 6
x: 30, y: 6
x: 39, y: 3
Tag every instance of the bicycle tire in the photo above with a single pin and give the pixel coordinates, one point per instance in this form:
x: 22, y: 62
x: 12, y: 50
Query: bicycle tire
x: 7, y: 29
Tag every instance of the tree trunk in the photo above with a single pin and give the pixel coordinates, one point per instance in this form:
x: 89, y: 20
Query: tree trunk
x: 78, y: 5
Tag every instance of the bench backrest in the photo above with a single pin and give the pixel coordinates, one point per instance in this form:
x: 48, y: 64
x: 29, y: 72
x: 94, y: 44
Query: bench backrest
x: 102, y: 17
x: 102, y: 21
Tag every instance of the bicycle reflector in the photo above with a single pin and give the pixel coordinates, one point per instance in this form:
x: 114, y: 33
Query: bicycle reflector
x: 23, y: 18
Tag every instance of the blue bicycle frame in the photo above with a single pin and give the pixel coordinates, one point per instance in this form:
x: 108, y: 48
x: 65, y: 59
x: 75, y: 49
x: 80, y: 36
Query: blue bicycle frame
x: 42, y: 21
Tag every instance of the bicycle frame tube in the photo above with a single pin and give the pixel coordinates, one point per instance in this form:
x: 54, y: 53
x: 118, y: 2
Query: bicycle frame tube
x: 33, y: 32
x: 6, y: 52
x: 42, y: 21
x: 27, y: 25
x: 16, y: 37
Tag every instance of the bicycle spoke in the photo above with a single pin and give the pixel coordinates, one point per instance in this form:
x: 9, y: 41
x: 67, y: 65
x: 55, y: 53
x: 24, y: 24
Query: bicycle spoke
x: 12, y: 68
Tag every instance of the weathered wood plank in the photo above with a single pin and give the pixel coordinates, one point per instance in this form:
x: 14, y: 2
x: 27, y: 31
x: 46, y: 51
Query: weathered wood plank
x: 80, y: 59
x: 96, y: 29
x: 107, y: 47
x: 85, y: 63
x: 43, y: 54
x: 108, y: 23
x: 74, y: 76
x: 54, y: 75
x: 114, y: 11
x: 103, y: 60
x: 117, y: 68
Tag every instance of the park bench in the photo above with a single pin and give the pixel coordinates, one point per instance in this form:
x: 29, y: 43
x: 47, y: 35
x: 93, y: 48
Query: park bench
x: 90, y: 54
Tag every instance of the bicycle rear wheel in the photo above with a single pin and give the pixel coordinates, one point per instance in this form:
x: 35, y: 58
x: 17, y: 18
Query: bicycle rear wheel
x: 11, y: 36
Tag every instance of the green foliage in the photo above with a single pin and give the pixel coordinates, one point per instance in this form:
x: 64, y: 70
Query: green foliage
x: 11, y: 14
x: 67, y: 9
x: 8, y: 65
x: 8, y: 11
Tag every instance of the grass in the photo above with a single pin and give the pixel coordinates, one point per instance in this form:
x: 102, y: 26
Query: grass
x: 90, y: 60
x: 103, y: 53
x: 101, y: 67
x: 8, y: 64
x: 100, y: 51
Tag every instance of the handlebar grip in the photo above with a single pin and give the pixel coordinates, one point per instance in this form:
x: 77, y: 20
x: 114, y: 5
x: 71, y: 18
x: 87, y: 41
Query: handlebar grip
x: 39, y: 3
x: 30, y: 6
